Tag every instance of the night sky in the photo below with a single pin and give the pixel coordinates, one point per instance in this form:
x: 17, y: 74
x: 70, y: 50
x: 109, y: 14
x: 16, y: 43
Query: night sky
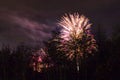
x: 32, y: 21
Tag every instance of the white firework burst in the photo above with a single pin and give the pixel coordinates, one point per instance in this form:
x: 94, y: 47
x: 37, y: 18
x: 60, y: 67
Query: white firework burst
x: 73, y: 26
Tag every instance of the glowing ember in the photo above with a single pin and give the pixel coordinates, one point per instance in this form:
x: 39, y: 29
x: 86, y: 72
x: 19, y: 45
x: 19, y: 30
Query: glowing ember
x: 39, y: 59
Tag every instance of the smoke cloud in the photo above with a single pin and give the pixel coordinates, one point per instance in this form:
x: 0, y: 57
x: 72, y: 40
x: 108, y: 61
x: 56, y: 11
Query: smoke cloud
x: 15, y: 29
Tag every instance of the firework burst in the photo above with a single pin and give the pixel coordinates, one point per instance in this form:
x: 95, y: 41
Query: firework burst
x: 76, y: 38
x: 73, y: 26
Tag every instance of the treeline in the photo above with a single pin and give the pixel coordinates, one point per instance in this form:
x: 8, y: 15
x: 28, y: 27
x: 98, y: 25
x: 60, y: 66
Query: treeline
x: 14, y: 63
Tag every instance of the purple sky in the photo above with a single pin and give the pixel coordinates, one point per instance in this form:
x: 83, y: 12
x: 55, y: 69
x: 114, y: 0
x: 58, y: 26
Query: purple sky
x: 32, y: 21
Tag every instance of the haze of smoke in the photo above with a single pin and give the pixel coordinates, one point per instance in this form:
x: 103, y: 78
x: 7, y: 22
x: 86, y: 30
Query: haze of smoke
x: 36, y: 31
x: 17, y: 29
